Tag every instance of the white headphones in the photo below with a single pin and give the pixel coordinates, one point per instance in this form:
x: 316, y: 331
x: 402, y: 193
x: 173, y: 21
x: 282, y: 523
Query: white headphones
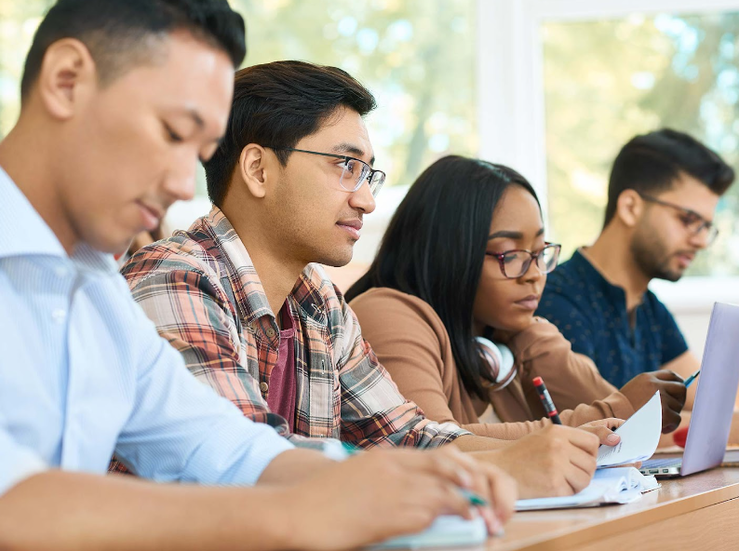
x: 501, y: 362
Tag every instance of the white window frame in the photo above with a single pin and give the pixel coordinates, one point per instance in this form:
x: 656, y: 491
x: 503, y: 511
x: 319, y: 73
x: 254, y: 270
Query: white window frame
x: 511, y: 107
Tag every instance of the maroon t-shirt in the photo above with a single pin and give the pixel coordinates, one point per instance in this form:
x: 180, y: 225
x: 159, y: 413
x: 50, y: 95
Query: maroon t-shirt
x: 282, y: 386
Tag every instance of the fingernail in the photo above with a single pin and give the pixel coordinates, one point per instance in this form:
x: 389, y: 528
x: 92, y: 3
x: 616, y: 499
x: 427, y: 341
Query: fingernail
x: 612, y: 438
x: 496, y: 527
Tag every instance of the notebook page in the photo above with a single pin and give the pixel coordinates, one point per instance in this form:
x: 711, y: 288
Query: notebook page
x: 639, y: 436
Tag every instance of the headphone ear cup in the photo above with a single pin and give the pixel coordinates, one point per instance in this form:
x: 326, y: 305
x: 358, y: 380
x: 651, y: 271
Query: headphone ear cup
x: 502, y: 362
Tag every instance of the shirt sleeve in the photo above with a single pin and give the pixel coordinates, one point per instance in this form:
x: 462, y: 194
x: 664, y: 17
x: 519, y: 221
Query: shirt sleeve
x: 17, y: 462
x: 373, y: 411
x: 181, y: 430
x: 576, y: 386
x: 570, y: 320
x: 673, y: 341
x: 193, y: 314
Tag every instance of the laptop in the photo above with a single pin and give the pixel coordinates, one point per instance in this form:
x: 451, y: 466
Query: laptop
x: 714, y: 400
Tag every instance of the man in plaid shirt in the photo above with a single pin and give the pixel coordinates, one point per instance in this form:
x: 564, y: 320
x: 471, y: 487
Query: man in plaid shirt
x: 243, y: 297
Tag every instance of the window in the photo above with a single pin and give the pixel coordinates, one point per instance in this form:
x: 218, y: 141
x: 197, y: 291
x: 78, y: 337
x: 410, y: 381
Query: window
x: 417, y: 57
x: 608, y: 80
x: 18, y: 22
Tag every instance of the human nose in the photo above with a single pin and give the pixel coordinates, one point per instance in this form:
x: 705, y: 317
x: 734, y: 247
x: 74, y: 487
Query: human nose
x: 179, y: 183
x: 701, y: 238
x: 362, y: 199
x: 533, y: 272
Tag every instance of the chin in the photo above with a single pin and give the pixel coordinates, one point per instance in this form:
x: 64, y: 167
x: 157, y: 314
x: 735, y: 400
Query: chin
x: 336, y: 259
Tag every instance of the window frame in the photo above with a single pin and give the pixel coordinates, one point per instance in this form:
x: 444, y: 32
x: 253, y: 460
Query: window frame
x: 511, y: 104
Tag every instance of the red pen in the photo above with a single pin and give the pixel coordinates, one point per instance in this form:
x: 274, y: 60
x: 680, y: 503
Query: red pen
x: 546, y: 399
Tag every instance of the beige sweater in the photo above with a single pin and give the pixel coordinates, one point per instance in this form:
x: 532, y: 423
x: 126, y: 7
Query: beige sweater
x: 412, y: 343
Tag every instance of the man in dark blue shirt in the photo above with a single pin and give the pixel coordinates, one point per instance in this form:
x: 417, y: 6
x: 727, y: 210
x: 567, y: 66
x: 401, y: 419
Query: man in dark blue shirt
x: 662, y: 194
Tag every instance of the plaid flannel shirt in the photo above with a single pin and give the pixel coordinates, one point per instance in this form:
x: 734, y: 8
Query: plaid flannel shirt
x: 201, y: 290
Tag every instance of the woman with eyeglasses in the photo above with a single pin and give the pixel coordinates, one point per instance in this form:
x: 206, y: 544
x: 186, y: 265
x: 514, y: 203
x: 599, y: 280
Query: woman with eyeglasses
x: 448, y: 306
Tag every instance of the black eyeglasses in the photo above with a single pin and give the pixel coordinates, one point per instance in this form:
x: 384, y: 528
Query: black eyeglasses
x: 354, y: 171
x: 692, y: 221
x: 515, y: 263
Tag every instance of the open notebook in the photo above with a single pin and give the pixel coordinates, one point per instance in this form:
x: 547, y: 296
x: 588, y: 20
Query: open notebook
x: 639, y: 438
x: 614, y: 485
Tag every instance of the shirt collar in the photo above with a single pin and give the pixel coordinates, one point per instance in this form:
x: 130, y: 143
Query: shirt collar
x: 23, y: 232
x: 591, y: 273
x: 247, y: 287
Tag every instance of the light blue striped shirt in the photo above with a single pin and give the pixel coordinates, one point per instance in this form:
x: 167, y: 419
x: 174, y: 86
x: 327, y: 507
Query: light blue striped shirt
x: 83, y: 373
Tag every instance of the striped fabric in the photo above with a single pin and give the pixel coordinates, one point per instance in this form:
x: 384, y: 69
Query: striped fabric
x: 201, y: 290
x: 83, y: 373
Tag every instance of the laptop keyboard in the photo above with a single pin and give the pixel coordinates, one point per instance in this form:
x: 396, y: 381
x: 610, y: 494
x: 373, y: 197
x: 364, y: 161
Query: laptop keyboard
x: 662, y: 463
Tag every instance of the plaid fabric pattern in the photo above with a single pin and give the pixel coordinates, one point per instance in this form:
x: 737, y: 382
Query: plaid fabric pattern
x: 201, y: 290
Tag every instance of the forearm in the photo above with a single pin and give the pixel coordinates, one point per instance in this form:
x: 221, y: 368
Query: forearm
x: 293, y: 466
x: 616, y: 405
x: 61, y: 510
x: 471, y: 443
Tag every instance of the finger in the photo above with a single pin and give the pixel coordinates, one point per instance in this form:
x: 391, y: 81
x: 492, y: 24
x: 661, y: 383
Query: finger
x: 441, y: 464
x: 586, y: 441
x: 585, y: 462
x: 613, y: 422
x: 667, y: 375
x: 476, y: 470
x: 670, y: 403
x: 606, y: 436
x: 456, y: 502
x: 493, y: 523
x: 676, y: 390
x: 504, y: 492
x: 577, y: 478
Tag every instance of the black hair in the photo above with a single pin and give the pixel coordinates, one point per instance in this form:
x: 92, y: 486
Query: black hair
x: 434, y: 248
x: 276, y: 105
x: 116, y: 32
x: 650, y: 163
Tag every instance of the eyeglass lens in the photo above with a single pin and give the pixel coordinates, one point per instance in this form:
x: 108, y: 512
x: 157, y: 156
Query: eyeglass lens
x: 355, y: 173
x: 517, y: 263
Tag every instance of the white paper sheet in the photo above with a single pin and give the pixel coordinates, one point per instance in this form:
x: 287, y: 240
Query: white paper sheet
x: 616, y: 485
x: 639, y: 436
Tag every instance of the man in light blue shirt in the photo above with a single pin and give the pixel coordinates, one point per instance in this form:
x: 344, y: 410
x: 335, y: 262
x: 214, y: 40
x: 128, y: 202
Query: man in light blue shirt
x: 119, y: 100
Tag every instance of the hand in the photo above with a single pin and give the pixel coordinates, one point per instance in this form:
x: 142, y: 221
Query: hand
x: 603, y: 429
x: 671, y: 390
x: 555, y: 461
x: 384, y: 493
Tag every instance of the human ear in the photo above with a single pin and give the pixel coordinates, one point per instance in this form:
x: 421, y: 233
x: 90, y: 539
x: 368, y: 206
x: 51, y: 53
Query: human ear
x: 629, y: 207
x: 253, y: 171
x: 68, y: 74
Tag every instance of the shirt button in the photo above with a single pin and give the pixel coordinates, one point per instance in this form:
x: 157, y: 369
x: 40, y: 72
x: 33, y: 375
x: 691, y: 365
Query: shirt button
x: 61, y: 272
x: 264, y: 387
x: 59, y: 315
x: 270, y: 332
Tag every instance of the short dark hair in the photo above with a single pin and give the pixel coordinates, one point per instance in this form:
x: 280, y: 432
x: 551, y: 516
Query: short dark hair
x: 277, y: 104
x: 434, y: 248
x: 116, y: 31
x: 650, y: 163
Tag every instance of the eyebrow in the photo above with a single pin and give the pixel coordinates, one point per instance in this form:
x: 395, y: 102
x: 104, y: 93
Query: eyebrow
x: 353, y: 150
x: 195, y: 116
x: 512, y: 234
x: 200, y: 123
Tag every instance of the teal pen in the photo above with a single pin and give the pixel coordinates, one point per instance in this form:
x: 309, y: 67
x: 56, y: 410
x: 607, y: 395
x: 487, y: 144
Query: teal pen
x: 692, y: 378
x: 472, y: 497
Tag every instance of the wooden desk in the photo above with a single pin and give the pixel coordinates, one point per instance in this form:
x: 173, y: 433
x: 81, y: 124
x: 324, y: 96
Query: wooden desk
x: 697, y: 512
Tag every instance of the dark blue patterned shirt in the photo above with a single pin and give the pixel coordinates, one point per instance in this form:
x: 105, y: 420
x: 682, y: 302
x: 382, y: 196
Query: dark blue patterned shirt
x: 591, y: 314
